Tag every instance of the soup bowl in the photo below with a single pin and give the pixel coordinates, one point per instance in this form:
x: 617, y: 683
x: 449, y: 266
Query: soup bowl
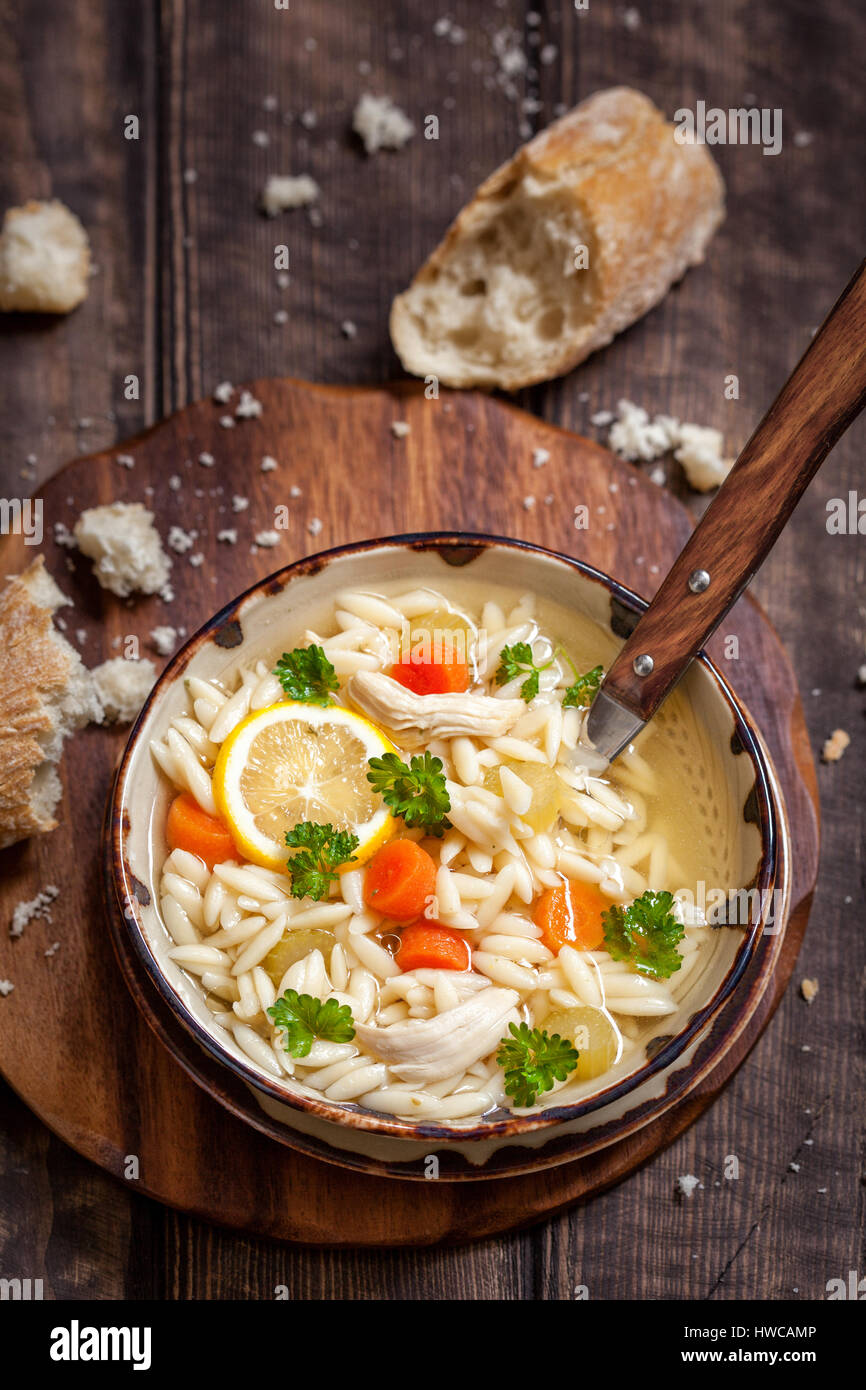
x: 736, y: 802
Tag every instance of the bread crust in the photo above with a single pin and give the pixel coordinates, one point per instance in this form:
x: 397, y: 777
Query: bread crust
x: 648, y: 204
x: 37, y: 664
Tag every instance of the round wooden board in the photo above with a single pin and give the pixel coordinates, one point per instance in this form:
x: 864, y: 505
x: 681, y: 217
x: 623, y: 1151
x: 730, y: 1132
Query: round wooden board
x: 73, y: 1043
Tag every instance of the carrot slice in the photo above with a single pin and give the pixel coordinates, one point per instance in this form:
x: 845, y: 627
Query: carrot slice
x: 429, y: 946
x: 440, y: 674
x: 570, y: 915
x: 400, y: 881
x: 189, y: 827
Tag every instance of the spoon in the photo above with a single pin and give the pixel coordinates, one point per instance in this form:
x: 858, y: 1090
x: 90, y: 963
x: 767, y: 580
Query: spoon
x: 823, y: 394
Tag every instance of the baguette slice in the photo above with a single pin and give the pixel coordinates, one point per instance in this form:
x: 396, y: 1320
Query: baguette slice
x: 503, y: 301
x: 45, y: 693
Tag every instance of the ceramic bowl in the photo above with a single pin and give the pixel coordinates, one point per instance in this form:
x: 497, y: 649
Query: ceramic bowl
x: 746, y: 808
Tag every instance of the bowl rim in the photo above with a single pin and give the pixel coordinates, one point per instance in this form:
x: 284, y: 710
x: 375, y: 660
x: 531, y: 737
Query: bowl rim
x: 129, y: 894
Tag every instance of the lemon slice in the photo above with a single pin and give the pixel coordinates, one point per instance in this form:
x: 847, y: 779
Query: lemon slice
x: 294, y: 762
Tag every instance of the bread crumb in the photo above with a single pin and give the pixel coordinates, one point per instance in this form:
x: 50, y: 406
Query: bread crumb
x: 634, y: 436
x: 687, y: 1183
x: 206, y: 460
x: 44, y: 259
x: 290, y: 191
x: 295, y: 491
x: 123, y: 686
x: 861, y: 675
x: 510, y: 58
x: 124, y: 545
x: 794, y: 1167
x: 808, y: 989
x: 181, y: 541
x: 380, y: 124
x: 602, y: 418
x: 400, y: 428
x: 267, y: 539
x: 528, y: 504
x: 227, y: 422
x: 349, y: 329
x: 240, y: 504
x: 175, y: 483
x: 700, y: 451
x: 40, y: 906
x: 698, y: 448
x: 835, y: 746
x: 52, y: 949
x: 125, y: 460
x: 229, y: 536
x: 540, y: 457
x: 223, y: 393
x: 315, y: 526
x: 196, y: 560
x: 6, y: 988
x: 248, y: 408
x: 445, y: 28
x: 164, y: 640
x: 268, y: 464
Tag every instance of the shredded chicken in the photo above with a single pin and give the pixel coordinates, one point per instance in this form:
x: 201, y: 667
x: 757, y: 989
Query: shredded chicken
x: 388, y: 702
x: 425, y: 1050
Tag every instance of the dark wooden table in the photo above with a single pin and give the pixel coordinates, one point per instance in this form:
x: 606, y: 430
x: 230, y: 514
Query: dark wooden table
x: 185, y: 296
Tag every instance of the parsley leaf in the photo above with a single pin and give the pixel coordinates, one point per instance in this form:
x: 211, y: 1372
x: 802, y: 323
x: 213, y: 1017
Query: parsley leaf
x: 584, y: 687
x: 646, y: 934
x: 307, y: 675
x: 321, y: 849
x: 532, y: 1061
x: 516, y: 660
x: 305, y: 1018
x: 416, y: 792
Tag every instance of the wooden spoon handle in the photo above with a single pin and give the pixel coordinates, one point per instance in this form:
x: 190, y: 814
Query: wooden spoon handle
x: 824, y: 393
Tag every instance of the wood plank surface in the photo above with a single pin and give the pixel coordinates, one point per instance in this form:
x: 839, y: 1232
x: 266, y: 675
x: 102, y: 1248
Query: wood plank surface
x: 186, y: 296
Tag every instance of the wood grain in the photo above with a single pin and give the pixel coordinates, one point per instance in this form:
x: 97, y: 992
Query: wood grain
x: 792, y: 236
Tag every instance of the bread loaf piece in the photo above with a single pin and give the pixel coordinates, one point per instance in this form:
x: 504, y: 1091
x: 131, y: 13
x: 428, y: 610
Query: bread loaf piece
x: 577, y: 236
x: 45, y: 693
x: 44, y: 259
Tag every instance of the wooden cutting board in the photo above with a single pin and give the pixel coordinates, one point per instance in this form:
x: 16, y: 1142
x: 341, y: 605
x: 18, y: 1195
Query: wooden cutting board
x: 72, y: 1042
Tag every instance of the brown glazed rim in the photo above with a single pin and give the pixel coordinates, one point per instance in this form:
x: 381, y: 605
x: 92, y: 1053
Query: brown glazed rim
x: 457, y: 549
